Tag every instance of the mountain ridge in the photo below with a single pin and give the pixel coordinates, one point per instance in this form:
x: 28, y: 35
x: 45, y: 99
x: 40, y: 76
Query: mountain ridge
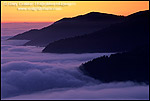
x: 110, y: 39
x: 125, y: 66
x: 68, y: 27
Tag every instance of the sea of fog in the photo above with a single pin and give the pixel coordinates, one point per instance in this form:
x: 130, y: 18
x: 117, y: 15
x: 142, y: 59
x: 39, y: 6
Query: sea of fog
x: 8, y: 29
x: 26, y: 73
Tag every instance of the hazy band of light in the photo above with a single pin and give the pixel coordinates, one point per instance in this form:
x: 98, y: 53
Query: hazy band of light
x: 11, y: 14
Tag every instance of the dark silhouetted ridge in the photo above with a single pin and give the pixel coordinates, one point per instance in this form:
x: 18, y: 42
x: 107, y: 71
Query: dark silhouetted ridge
x: 127, y: 66
x: 69, y: 27
x: 119, y: 37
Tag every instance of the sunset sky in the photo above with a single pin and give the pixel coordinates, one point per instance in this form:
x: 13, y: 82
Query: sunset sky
x: 10, y: 12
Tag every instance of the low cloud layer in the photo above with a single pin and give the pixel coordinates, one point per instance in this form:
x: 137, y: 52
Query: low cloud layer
x: 26, y: 73
x: 23, y: 77
x: 108, y: 91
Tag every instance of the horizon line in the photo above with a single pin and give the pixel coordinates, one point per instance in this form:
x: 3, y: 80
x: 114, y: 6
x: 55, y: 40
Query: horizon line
x: 29, y: 22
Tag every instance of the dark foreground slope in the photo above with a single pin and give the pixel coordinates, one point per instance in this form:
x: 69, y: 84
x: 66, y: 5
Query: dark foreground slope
x: 128, y: 66
x: 116, y: 38
x: 68, y: 27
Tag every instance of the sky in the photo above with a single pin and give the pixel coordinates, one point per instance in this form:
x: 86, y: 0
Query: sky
x: 51, y: 11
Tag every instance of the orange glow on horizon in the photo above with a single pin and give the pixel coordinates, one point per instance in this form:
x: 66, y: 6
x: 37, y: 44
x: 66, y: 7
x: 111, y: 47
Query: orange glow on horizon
x: 11, y: 14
